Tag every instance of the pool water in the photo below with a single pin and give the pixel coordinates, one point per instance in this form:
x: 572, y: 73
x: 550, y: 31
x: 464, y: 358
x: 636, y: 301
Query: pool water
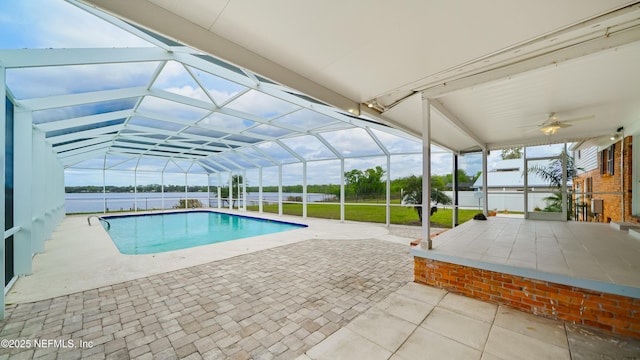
x: 150, y: 234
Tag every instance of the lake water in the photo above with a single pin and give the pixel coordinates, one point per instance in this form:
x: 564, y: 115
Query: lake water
x: 96, y: 202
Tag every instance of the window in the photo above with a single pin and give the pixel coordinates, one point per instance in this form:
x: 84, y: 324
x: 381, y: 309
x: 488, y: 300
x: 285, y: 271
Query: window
x: 607, y: 162
x: 610, y: 159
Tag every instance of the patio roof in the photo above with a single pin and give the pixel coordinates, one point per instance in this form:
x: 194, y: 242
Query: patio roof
x: 493, y: 71
x: 168, y: 107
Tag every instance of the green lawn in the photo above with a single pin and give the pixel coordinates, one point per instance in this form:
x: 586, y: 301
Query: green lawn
x: 368, y: 213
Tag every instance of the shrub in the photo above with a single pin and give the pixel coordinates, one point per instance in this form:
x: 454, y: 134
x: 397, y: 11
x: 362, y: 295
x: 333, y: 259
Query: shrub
x: 191, y: 203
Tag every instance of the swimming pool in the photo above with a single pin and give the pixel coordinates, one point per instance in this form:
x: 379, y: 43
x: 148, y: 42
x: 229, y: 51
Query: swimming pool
x: 155, y: 233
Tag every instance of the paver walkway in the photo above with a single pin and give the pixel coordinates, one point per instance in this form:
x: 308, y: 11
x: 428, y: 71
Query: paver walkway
x: 275, y: 303
x: 315, y: 299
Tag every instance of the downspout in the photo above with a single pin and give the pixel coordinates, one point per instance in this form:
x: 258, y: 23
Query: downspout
x: 622, y: 202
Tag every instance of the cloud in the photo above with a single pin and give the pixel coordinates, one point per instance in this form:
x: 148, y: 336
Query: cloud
x: 58, y: 24
x: 352, y: 142
x: 263, y: 105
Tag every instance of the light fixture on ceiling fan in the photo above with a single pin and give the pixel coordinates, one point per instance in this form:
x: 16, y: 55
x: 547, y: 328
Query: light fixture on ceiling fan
x: 552, y: 125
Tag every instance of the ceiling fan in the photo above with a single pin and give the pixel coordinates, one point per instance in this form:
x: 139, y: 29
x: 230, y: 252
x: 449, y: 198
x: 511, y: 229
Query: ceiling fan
x: 553, y: 124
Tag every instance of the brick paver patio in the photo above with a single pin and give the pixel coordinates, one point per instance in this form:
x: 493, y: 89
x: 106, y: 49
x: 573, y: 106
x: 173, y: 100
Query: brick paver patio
x: 271, y: 304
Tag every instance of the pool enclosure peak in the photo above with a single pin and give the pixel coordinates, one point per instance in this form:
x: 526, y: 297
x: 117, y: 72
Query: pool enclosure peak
x: 161, y: 106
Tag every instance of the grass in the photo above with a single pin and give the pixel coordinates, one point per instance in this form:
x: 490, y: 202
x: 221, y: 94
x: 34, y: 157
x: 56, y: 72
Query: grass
x: 400, y: 215
x: 368, y: 213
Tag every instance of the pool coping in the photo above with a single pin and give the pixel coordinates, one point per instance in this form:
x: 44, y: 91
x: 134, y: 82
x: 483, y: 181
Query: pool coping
x: 81, y: 257
x: 167, y: 212
x: 125, y: 242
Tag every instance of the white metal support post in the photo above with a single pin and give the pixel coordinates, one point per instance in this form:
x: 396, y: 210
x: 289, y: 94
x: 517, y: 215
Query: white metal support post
x: 485, y: 186
x: 219, y: 190
x: 230, y: 191
x: 304, y: 189
x: 564, y: 180
x: 260, y: 205
x: 388, y: 192
x: 104, y: 188
x: 135, y: 189
x: 280, y: 189
x: 341, y: 189
x: 49, y: 191
x: 426, y: 242
x: 3, y: 121
x: 454, y: 188
x: 525, y: 183
x: 162, y: 187
x: 208, y: 190
x: 22, y: 212
x: 244, y: 189
x: 38, y: 191
x: 186, y: 191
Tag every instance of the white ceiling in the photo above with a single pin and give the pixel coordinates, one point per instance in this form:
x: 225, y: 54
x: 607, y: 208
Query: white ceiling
x: 496, y: 69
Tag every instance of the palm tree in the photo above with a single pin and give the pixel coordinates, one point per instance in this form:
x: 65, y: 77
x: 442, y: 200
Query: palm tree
x: 553, y: 174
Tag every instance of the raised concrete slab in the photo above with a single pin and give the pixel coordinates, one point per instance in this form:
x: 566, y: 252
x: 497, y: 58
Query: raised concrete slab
x: 624, y: 226
x: 587, y: 255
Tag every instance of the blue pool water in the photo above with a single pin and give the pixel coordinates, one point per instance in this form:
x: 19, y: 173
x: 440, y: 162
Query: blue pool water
x: 150, y: 234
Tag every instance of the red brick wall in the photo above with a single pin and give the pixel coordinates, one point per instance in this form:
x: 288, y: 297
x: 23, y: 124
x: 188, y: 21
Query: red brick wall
x: 612, y: 183
x: 615, y: 313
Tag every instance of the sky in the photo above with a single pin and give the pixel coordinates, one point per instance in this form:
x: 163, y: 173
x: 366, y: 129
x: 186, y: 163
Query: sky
x: 58, y: 24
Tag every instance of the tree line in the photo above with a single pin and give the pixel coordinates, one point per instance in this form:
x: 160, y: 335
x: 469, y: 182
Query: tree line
x: 359, y: 185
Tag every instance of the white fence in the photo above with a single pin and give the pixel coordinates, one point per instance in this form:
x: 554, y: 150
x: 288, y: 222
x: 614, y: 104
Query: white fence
x: 501, y: 200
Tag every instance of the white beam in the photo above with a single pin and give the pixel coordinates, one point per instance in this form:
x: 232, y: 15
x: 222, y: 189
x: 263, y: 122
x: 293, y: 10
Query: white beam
x: 79, y: 144
x: 455, y: 122
x: 83, y: 120
x: 84, y: 150
x: 3, y: 121
x: 85, y: 133
x: 26, y: 58
x: 50, y: 102
x: 607, y: 41
x: 158, y: 19
x: 72, y: 160
x: 171, y: 96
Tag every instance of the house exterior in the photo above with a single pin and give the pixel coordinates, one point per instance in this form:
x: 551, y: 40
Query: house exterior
x: 506, y: 187
x: 508, y: 175
x: 604, y: 184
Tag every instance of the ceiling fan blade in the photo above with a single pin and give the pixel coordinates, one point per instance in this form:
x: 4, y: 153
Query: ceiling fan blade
x: 578, y: 119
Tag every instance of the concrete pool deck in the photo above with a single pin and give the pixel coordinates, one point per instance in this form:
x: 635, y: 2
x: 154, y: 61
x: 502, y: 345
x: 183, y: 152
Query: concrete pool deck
x: 316, y: 298
x: 90, y: 256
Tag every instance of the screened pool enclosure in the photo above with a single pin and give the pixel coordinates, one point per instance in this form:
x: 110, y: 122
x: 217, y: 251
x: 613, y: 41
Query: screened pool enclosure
x: 151, y: 111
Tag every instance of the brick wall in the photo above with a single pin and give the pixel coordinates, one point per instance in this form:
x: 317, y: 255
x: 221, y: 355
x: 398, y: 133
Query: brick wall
x: 612, y: 183
x: 614, y: 313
